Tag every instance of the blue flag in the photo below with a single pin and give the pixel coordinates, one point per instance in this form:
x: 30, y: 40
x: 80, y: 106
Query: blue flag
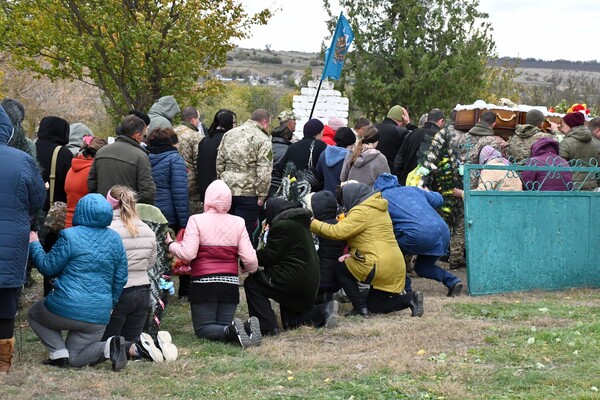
x: 336, y: 54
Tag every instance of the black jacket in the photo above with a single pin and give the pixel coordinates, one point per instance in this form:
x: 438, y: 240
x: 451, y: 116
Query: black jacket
x: 54, y: 132
x: 299, y: 153
x: 390, y: 138
x: 207, y: 160
x: 280, y: 147
x: 415, y: 144
x: 324, y: 208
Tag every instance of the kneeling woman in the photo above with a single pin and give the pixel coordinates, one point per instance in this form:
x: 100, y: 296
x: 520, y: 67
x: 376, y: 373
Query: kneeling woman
x: 89, y: 267
x: 374, y: 257
x: 212, y: 242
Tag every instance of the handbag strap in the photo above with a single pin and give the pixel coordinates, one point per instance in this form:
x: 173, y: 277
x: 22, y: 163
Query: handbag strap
x: 310, y: 158
x: 53, y: 173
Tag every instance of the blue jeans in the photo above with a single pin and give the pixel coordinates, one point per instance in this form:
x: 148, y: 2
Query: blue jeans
x: 425, y: 267
x: 247, y: 208
x: 211, y: 319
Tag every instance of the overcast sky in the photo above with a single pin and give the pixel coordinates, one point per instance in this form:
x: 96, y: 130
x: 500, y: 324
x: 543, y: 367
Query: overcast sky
x: 545, y: 29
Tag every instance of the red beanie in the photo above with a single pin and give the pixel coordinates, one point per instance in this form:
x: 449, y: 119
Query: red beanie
x: 574, y: 119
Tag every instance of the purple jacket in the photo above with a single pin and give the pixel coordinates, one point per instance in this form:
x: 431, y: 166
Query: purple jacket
x: 545, y: 152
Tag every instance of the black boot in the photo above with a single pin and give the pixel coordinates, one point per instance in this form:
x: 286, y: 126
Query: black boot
x: 235, y: 332
x: 361, y: 311
x: 252, y: 328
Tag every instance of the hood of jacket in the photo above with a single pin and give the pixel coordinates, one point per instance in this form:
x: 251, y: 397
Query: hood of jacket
x: 298, y: 214
x: 15, y: 111
x: 282, y: 132
x: 355, y: 193
x: 276, y: 206
x: 217, y: 197
x: 158, y: 156
x: 328, y: 132
x: 54, y: 129
x: 581, y: 133
x: 80, y: 162
x: 366, y: 157
x: 324, y: 205
x: 93, y: 210
x: 335, y: 155
x: 77, y: 131
x: 488, y: 153
x: 6, y: 128
x: 166, y: 107
x: 385, y: 181
x: 525, y: 131
x: 543, y: 146
x: 481, y: 129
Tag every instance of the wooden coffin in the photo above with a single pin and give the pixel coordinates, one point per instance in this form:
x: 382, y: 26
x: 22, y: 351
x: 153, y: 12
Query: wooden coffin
x: 506, y: 120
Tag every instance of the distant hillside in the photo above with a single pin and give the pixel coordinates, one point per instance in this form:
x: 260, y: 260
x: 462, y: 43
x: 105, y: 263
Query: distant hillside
x: 267, y: 62
x: 562, y: 65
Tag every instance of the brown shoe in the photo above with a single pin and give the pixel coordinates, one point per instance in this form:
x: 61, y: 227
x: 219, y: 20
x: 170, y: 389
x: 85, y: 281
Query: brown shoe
x: 7, y: 348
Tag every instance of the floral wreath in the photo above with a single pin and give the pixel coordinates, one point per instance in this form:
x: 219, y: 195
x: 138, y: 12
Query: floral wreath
x: 563, y: 108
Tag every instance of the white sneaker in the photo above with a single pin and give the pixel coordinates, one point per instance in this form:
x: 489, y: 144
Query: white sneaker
x: 147, y: 349
x: 165, y: 343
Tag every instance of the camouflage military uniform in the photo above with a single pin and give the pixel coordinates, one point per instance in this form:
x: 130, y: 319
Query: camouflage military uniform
x: 245, y: 160
x: 476, y: 139
x: 442, y: 176
x: 458, y: 142
x: 520, y: 143
x: 188, y: 141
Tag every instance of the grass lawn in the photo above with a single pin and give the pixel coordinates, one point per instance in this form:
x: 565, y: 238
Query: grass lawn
x: 533, y: 345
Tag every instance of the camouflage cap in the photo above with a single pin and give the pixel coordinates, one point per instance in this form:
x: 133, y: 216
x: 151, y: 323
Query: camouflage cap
x: 286, y: 115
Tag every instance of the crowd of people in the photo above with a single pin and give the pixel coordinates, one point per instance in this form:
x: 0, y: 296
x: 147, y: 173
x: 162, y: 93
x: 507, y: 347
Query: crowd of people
x: 341, y: 213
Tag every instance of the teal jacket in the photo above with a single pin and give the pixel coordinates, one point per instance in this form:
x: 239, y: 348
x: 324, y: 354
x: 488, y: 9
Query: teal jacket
x: 88, y: 262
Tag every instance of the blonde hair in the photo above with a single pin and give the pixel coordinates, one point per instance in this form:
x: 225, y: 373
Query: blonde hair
x: 127, y: 200
x: 369, y: 137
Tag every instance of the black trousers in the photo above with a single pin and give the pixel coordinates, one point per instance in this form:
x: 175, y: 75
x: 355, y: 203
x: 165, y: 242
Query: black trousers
x: 129, y: 315
x: 377, y: 301
x: 259, y: 291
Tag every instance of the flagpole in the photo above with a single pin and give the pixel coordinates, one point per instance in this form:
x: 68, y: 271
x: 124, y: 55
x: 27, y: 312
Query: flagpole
x: 329, y: 54
x: 315, y: 101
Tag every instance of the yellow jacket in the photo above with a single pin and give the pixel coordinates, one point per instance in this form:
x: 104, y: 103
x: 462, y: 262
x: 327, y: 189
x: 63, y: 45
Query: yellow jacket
x: 368, y: 230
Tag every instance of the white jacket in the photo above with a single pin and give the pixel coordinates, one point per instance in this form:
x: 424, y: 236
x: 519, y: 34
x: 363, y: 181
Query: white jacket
x: 141, y: 250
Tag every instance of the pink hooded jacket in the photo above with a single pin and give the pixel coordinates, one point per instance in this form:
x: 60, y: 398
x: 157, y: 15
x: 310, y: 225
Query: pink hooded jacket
x: 214, y: 240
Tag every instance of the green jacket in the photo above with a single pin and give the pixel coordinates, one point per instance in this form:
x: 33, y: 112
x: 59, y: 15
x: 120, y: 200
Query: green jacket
x: 290, y: 260
x: 578, y: 145
x: 373, y: 246
x: 123, y: 163
x: 245, y: 160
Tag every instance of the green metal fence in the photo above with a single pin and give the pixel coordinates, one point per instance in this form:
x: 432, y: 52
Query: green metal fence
x: 531, y: 239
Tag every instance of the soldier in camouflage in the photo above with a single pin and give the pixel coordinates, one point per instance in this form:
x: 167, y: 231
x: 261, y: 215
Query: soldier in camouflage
x: 245, y: 163
x: 189, y: 136
x: 458, y: 142
x: 526, y: 135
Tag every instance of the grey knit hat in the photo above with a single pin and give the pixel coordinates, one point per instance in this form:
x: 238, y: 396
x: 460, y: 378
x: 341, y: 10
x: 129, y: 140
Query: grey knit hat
x: 534, y: 117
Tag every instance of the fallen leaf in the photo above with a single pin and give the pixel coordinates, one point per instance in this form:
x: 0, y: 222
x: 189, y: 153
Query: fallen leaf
x: 531, y: 340
x: 421, y: 352
x: 290, y: 378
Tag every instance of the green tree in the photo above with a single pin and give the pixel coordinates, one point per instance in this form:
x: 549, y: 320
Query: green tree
x: 306, y: 76
x: 418, y: 53
x: 133, y: 51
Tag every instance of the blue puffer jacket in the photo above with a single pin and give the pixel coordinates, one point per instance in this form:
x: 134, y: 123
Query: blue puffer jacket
x: 22, y: 194
x: 419, y: 229
x: 169, y: 173
x: 89, y: 263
